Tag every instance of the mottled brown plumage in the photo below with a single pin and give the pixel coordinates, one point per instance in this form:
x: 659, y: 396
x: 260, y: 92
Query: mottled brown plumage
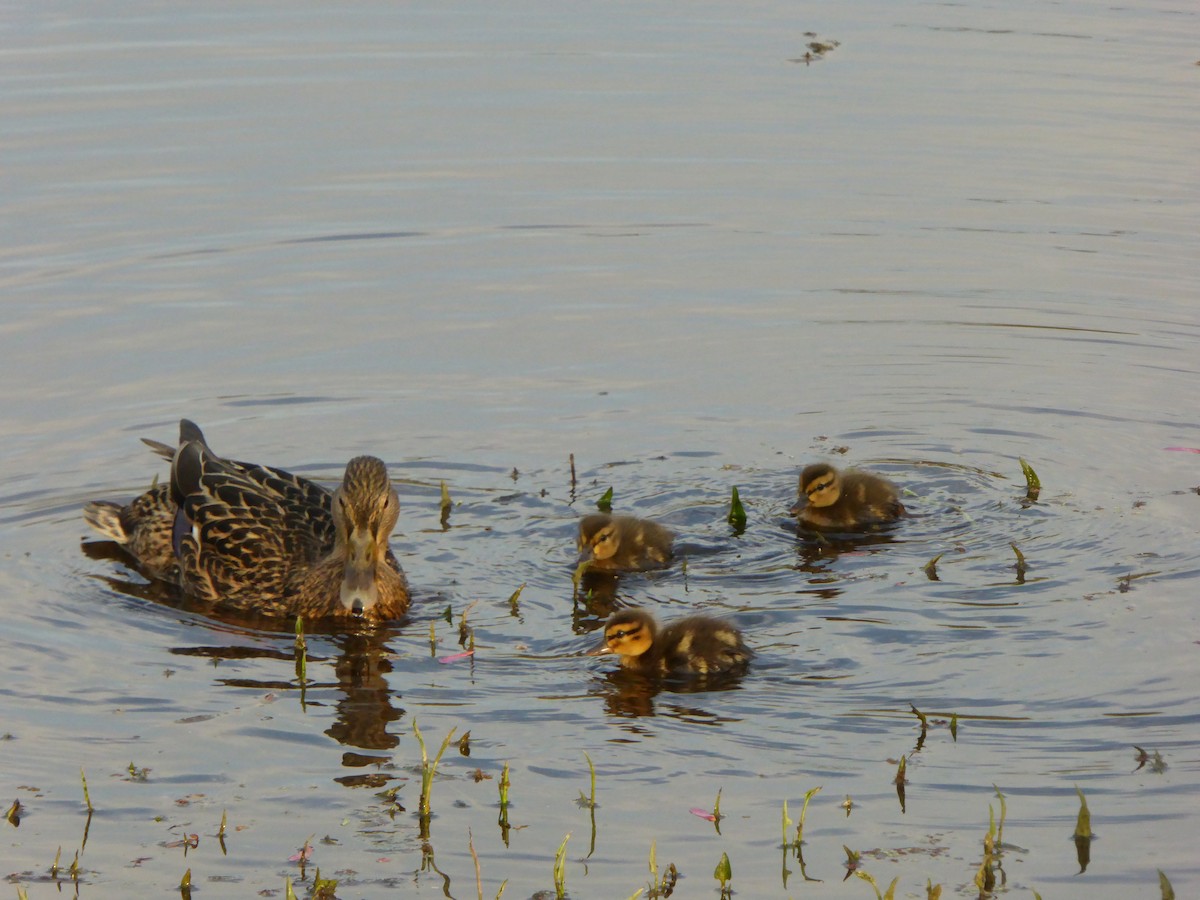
x: 845, y: 501
x: 696, y: 645
x: 263, y: 541
x: 624, y: 543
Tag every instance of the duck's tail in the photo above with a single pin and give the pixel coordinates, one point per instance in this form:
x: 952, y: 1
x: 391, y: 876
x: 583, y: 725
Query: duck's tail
x: 105, y: 517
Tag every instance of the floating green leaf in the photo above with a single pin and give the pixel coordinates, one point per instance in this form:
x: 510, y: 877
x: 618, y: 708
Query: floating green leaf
x: 737, y: 512
x: 604, y: 504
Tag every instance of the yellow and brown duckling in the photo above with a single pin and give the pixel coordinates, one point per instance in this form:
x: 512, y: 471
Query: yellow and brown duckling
x: 262, y: 541
x: 624, y: 543
x: 845, y: 501
x: 696, y: 645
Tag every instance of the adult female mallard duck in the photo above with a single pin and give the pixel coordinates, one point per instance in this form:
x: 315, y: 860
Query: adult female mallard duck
x: 696, y: 645
x: 263, y: 541
x: 845, y: 501
x: 624, y: 543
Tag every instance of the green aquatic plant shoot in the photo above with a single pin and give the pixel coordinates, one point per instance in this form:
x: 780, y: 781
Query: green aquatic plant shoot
x: 289, y: 892
x: 889, y: 894
x: 429, y: 768
x: 930, y: 568
x: 445, y: 503
x: 1033, y: 484
x: 724, y: 874
x: 737, y: 512
x: 932, y: 891
x: 954, y: 727
x: 86, y: 799
x: 560, y: 869
x: 588, y: 801
x: 514, y: 599
x: 1003, y: 816
x: 1168, y: 892
x: 604, y: 504
x: 1083, y: 824
x: 301, y: 652
x: 1020, y: 566
x: 803, y: 812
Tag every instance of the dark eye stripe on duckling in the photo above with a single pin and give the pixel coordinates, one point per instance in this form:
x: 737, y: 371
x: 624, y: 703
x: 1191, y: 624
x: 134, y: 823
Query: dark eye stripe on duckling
x: 619, y: 634
x: 818, y: 486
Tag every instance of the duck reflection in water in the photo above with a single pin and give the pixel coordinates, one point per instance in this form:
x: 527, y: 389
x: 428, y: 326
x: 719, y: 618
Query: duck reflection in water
x: 361, y: 695
x: 363, y: 701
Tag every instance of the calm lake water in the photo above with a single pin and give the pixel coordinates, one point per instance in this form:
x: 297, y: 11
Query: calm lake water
x: 476, y: 240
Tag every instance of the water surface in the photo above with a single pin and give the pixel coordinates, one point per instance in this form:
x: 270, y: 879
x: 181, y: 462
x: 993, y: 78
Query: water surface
x: 477, y: 241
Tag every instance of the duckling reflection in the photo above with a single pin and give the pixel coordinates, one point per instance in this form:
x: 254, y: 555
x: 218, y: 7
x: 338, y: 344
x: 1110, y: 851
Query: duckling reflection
x: 845, y: 501
x: 696, y: 645
x: 624, y: 543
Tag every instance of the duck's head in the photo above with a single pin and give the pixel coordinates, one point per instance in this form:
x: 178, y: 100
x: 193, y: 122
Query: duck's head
x: 820, y: 485
x: 599, y: 536
x: 629, y: 633
x: 365, y: 510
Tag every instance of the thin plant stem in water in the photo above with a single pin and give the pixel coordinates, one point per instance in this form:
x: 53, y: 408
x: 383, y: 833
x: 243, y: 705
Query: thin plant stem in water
x: 560, y: 869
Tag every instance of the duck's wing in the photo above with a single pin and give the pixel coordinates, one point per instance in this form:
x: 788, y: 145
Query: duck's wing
x: 243, y: 531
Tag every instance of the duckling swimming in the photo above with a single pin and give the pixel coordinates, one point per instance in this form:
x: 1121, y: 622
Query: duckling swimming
x: 263, y: 541
x: 696, y: 645
x: 624, y: 543
x: 845, y: 501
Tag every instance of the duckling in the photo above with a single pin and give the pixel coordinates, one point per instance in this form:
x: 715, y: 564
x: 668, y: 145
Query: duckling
x: 696, y: 645
x: 846, y: 501
x: 263, y: 541
x: 616, y: 543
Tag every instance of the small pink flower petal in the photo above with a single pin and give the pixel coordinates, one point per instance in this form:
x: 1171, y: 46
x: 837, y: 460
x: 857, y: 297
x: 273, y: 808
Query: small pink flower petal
x: 702, y: 813
x: 305, y: 854
x: 455, y: 657
x: 1184, y: 449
